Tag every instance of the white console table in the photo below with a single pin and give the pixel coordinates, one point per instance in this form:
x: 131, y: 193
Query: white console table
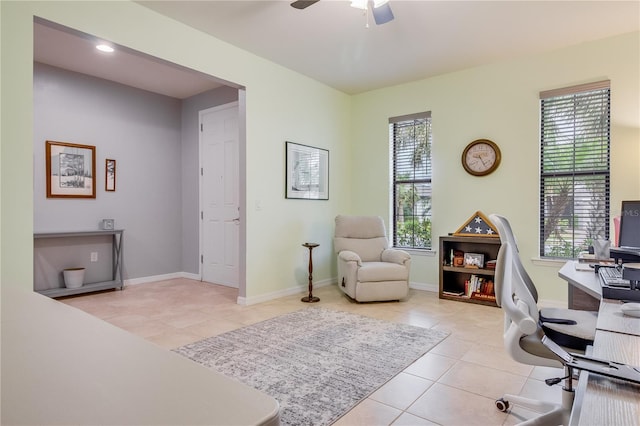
x: 115, y: 281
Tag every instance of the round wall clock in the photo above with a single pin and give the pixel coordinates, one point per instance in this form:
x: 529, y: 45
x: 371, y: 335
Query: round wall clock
x: 481, y: 157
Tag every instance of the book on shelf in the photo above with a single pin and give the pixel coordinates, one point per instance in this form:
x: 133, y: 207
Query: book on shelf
x: 483, y: 296
x: 479, y: 285
x: 453, y: 293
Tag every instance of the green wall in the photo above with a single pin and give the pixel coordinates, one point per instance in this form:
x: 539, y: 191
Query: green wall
x: 281, y: 105
x: 499, y: 102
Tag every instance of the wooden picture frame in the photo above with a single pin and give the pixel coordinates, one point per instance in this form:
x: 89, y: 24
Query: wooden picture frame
x: 307, y: 172
x: 70, y: 169
x: 109, y: 175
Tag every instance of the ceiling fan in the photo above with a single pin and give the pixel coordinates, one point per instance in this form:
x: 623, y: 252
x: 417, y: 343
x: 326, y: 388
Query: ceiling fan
x: 381, y: 10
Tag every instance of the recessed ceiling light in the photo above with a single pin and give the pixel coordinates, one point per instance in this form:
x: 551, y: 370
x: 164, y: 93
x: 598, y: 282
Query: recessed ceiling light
x: 104, y: 48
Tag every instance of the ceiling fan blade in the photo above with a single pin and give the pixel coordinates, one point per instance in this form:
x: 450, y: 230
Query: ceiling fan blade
x: 382, y: 14
x: 303, y: 4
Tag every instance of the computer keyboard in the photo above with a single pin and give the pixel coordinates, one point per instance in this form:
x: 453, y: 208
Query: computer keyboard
x: 612, y: 277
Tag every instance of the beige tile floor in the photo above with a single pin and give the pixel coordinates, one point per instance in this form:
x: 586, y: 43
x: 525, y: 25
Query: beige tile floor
x: 456, y: 383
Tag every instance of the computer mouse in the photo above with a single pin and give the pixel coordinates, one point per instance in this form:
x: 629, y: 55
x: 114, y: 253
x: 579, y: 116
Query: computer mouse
x: 631, y: 309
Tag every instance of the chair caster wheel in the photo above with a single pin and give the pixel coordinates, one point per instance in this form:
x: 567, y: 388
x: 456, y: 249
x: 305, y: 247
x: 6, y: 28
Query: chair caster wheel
x: 502, y: 405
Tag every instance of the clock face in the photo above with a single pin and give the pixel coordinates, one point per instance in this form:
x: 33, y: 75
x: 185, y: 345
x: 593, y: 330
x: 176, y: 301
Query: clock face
x: 481, y: 157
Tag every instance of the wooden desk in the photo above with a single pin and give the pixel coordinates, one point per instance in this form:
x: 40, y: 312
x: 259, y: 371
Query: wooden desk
x: 586, y: 281
x: 610, y: 318
x: 584, y: 287
x: 600, y: 400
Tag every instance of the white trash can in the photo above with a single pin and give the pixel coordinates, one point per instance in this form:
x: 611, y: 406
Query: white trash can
x: 73, y: 277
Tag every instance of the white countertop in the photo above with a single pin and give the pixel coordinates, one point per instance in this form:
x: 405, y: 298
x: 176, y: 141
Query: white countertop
x: 63, y: 366
x: 585, y: 280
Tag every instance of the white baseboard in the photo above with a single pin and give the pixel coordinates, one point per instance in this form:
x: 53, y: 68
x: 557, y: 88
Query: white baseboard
x: 282, y: 293
x: 172, y: 276
x: 303, y: 289
x: 424, y: 286
x: 190, y: 276
x: 263, y: 297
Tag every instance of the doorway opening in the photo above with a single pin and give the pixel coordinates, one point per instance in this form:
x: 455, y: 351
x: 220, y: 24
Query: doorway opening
x: 65, y: 48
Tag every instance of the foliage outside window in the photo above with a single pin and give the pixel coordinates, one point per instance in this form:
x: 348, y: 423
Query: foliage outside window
x: 574, y: 168
x: 411, y: 156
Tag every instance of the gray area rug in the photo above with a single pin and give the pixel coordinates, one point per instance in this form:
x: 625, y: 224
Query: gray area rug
x: 318, y: 363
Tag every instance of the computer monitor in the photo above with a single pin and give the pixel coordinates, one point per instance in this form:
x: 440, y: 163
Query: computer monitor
x: 630, y: 225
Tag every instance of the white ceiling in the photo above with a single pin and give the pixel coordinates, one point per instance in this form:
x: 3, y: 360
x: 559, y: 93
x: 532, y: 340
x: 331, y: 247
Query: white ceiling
x: 329, y: 42
x: 75, y: 51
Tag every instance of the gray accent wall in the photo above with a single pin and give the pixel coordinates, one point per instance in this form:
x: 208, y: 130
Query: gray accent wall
x: 153, y: 140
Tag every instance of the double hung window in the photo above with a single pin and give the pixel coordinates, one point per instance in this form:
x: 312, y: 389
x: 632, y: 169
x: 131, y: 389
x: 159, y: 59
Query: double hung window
x: 574, y: 168
x: 411, y: 163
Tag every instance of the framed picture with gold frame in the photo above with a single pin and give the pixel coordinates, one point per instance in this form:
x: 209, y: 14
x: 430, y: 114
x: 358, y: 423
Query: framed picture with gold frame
x: 70, y: 169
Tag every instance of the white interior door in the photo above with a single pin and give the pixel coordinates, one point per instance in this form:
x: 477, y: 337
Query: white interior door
x: 219, y: 195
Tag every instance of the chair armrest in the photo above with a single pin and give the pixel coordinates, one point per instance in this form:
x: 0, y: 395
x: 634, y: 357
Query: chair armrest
x: 350, y: 256
x: 395, y: 256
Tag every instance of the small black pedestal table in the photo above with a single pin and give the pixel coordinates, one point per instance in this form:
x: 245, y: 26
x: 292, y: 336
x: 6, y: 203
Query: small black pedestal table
x: 310, y: 298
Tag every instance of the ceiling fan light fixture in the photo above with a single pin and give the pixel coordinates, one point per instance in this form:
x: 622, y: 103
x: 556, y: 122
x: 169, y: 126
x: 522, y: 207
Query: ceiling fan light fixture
x: 359, y: 4
x: 303, y: 4
x: 382, y: 14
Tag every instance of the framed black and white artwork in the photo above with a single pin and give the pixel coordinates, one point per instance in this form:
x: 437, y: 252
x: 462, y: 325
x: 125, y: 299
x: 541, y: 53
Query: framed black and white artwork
x: 307, y: 172
x: 110, y: 175
x: 70, y: 169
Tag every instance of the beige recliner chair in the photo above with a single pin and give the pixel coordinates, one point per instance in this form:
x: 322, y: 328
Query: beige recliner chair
x: 368, y: 270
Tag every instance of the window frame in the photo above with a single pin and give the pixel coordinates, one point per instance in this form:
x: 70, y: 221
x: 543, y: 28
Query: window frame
x: 576, y: 163
x: 426, y: 179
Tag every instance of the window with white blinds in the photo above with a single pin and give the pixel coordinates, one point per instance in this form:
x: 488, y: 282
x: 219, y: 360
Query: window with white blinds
x: 574, y: 168
x: 411, y: 157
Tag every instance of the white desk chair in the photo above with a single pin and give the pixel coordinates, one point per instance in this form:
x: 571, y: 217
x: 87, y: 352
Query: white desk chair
x: 523, y: 340
x: 570, y: 328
